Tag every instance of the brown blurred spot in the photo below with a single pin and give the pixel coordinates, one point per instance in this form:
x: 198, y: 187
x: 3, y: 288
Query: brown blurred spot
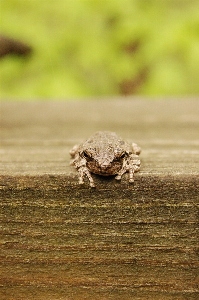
x: 11, y: 46
x: 132, y: 46
x: 131, y: 86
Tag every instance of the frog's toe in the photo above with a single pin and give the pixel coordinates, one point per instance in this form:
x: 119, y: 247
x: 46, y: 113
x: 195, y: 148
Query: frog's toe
x: 92, y: 184
x: 118, y: 177
x: 81, y: 181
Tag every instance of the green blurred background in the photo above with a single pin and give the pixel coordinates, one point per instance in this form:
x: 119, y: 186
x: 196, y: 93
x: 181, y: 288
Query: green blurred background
x: 86, y: 48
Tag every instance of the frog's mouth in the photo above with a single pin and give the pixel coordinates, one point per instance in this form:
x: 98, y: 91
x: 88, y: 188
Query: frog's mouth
x: 105, y: 170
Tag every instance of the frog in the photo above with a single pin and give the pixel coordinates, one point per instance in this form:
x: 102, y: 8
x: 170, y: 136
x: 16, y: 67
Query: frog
x: 105, y: 154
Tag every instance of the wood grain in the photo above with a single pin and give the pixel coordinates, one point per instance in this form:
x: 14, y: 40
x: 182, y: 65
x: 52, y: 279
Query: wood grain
x: 60, y: 240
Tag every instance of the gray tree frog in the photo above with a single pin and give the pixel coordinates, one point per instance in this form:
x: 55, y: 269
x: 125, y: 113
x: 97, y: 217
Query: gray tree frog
x: 106, y: 154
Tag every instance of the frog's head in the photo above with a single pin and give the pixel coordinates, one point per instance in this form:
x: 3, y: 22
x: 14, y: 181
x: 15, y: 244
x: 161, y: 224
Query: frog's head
x: 104, y: 160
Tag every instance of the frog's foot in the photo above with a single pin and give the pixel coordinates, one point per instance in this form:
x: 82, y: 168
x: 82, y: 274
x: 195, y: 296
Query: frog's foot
x: 81, y: 180
x: 120, y: 173
x: 84, y: 171
x: 118, y: 177
x: 91, y: 182
x: 123, y: 170
x: 131, y: 179
x: 131, y: 171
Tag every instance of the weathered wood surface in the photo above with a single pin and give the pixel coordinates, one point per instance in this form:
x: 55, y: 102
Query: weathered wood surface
x: 60, y: 240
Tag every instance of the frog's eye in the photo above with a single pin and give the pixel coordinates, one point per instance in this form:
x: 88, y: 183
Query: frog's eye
x: 85, y: 154
x: 122, y: 155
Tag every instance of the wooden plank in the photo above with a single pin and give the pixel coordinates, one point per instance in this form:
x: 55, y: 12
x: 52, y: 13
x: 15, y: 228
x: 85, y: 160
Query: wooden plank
x: 60, y: 240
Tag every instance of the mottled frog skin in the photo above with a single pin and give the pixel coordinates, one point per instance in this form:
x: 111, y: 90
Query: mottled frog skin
x: 106, y: 154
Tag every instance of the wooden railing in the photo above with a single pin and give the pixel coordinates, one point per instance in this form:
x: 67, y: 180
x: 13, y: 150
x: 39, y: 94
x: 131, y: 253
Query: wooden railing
x: 61, y: 240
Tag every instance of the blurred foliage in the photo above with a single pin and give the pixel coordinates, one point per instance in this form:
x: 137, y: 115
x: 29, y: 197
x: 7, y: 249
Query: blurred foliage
x: 101, y: 47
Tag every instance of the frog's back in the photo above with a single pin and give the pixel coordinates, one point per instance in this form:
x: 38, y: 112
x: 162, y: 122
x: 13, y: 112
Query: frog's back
x: 104, y: 135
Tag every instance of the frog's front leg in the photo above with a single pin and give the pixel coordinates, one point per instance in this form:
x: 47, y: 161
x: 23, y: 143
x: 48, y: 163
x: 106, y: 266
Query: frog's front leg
x: 134, y: 165
x: 84, y: 171
x: 131, y: 165
x: 123, y: 170
x: 80, y: 165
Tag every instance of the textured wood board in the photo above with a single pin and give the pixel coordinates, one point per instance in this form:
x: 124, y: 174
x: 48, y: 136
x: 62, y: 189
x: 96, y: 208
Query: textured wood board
x: 60, y: 240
